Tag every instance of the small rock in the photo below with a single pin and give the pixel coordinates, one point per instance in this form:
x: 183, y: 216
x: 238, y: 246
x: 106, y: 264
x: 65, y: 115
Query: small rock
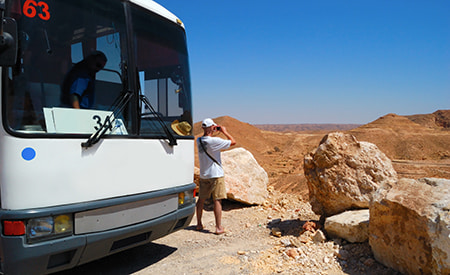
x: 276, y: 232
x: 310, y: 226
x: 319, y: 237
x: 292, y: 253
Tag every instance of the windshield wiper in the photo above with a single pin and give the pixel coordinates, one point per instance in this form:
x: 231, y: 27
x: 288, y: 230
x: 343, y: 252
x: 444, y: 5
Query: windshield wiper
x: 172, y: 140
x: 119, y: 104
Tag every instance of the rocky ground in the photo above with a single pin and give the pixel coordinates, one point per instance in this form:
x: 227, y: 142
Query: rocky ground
x: 266, y: 239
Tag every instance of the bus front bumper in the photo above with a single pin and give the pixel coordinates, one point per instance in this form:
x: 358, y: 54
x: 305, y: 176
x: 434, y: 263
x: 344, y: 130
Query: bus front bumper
x: 68, y: 252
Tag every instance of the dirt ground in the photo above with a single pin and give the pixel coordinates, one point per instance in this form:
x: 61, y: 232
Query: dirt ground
x: 250, y: 246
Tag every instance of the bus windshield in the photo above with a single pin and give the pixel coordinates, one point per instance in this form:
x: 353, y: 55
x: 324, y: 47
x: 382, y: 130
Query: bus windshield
x: 77, y: 59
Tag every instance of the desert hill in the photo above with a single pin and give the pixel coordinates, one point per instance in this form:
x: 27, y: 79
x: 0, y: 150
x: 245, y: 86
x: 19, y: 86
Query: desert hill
x: 395, y: 123
x: 417, y: 148
x: 437, y: 120
x: 401, y: 138
x: 306, y: 127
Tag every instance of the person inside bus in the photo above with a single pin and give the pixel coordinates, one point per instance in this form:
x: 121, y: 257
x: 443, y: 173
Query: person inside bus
x: 212, y: 181
x: 78, y: 88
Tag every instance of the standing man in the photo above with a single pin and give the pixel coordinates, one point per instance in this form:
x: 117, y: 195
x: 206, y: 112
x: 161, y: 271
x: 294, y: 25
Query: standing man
x: 211, y: 172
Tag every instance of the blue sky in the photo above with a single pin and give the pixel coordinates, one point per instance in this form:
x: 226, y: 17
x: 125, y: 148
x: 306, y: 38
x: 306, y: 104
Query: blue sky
x: 321, y: 61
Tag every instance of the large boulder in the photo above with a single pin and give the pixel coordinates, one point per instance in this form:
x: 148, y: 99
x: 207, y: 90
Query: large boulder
x: 246, y: 181
x: 409, y: 228
x: 344, y: 173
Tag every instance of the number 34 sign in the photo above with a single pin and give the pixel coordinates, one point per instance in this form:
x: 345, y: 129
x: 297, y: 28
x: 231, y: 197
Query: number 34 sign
x: 31, y: 8
x: 80, y: 121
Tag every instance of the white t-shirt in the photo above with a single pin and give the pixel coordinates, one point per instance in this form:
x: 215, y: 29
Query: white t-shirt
x: 208, y: 168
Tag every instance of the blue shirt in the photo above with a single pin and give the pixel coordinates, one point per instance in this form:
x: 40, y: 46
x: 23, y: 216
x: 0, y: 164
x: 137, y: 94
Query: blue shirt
x: 80, y: 87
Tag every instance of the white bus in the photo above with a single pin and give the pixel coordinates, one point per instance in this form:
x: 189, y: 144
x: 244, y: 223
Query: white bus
x: 77, y: 185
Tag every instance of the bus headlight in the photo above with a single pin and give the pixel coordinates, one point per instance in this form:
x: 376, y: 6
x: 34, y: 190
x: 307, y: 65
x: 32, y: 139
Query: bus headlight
x: 40, y: 227
x: 63, y: 224
x: 185, y: 198
x: 49, y: 227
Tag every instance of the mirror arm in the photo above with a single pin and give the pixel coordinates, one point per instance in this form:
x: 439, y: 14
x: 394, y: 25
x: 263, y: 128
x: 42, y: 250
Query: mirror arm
x: 8, y: 38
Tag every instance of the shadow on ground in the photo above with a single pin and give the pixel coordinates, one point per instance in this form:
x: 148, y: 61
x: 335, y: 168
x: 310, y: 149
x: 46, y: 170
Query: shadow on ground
x: 125, y: 262
x: 227, y: 205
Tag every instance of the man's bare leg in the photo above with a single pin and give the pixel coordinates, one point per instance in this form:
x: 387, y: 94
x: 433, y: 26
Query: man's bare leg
x: 218, y: 216
x: 199, y: 209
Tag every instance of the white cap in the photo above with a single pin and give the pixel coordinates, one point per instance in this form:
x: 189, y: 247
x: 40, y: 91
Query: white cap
x: 207, y: 122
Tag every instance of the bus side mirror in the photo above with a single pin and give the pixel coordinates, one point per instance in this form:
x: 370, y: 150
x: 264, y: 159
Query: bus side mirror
x: 8, y: 42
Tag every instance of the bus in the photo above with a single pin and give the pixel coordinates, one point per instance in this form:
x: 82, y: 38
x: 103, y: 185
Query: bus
x: 79, y: 184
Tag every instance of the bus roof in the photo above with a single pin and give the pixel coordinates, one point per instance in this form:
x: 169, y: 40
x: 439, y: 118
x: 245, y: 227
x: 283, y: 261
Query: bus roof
x: 158, y: 9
